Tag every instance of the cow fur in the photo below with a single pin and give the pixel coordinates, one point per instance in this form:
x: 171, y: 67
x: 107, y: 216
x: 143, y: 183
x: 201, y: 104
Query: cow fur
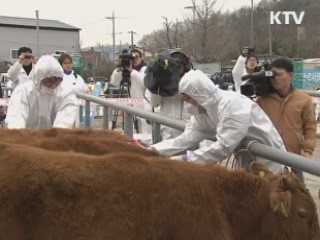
x: 47, y: 195
x: 93, y: 142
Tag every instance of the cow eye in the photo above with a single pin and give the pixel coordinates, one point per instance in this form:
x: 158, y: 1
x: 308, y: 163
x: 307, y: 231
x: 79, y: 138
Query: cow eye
x: 302, y: 213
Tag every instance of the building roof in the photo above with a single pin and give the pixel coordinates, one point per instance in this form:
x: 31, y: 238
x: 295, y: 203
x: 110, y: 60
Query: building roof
x: 18, y: 22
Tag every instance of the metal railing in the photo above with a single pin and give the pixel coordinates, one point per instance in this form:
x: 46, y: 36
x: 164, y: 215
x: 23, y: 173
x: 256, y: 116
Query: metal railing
x: 129, y: 111
x: 6, y: 91
x: 285, y: 158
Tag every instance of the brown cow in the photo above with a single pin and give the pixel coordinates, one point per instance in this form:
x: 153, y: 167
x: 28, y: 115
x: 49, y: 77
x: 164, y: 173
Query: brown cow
x: 46, y: 195
x: 55, y: 132
x: 93, y: 142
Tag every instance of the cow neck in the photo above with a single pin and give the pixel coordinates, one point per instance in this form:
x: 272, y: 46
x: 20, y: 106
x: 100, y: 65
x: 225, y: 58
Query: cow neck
x: 246, y: 201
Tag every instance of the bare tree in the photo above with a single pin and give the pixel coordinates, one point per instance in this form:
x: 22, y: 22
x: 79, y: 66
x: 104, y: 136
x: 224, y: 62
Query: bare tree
x: 167, y: 26
x: 176, y: 27
x: 204, y: 14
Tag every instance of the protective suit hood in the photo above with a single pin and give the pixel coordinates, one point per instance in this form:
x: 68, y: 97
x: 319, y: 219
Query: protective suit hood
x: 200, y: 88
x: 47, y: 66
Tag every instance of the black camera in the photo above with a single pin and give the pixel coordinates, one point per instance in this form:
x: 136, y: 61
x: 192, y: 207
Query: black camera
x: 259, y: 83
x: 250, y: 50
x: 27, y: 56
x: 126, y: 57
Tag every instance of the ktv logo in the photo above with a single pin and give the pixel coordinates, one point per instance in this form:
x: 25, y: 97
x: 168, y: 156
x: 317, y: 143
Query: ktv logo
x: 289, y: 16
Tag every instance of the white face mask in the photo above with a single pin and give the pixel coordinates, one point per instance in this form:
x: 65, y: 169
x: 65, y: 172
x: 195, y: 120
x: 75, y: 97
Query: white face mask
x: 48, y: 91
x: 191, y: 109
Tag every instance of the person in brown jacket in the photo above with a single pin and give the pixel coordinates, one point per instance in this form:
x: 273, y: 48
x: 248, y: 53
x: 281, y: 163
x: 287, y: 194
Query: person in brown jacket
x: 291, y: 111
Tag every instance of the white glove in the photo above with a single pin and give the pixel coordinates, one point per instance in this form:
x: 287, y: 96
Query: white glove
x: 180, y: 157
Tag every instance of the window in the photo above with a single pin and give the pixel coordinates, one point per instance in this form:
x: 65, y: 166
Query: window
x: 14, y: 54
x: 59, y: 52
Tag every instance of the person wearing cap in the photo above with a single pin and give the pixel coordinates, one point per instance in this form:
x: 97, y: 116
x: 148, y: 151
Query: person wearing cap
x: 21, y: 71
x: 41, y: 103
x: 228, y: 117
x: 172, y: 106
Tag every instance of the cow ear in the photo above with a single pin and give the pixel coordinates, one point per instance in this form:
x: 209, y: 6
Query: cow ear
x: 259, y: 169
x: 280, y: 202
x: 286, y: 183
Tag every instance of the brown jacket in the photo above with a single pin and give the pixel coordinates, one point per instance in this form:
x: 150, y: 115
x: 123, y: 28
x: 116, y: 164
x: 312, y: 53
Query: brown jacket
x: 294, y: 118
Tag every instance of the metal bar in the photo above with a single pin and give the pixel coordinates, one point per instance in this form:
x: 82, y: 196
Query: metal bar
x: 153, y: 117
x: 285, y: 158
x: 311, y: 93
x: 156, y: 136
x: 87, y: 114
x: 105, y: 118
x: 128, y: 124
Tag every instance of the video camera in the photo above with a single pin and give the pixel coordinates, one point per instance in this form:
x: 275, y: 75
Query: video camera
x: 250, y: 50
x: 125, y: 62
x: 259, y: 83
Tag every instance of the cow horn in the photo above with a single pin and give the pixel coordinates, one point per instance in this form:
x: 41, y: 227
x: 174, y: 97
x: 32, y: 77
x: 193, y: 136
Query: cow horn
x: 284, y: 211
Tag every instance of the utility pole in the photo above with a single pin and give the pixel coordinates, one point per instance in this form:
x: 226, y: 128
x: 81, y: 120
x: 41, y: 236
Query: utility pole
x: 270, y: 41
x: 132, y: 32
x: 38, y: 35
x: 113, y: 18
x: 252, y: 44
x: 113, y: 34
x: 194, y: 25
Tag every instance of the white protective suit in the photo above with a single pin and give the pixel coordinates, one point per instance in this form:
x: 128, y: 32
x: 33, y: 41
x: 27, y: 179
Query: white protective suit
x: 137, y: 90
x: 18, y: 75
x: 238, y: 71
x: 231, y: 118
x: 34, y: 106
x: 171, y: 107
x: 72, y: 83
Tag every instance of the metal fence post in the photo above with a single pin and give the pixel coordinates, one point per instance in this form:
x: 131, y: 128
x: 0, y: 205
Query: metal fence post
x: 156, y: 136
x: 87, y: 114
x: 128, y: 125
x: 105, y: 118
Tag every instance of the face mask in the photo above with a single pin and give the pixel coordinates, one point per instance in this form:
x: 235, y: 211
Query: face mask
x: 48, y: 91
x: 191, y: 109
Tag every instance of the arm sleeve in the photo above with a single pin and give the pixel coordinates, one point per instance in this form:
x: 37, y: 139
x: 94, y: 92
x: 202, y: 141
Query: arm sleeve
x: 67, y: 112
x: 230, y: 133
x: 309, y: 128
x: 191, y: 137
x: 82, y: 84
x: 138, y: 77
x: 116, y: 77
x: 18, y: 109
x: 14, y: 71
x: 238, y: 72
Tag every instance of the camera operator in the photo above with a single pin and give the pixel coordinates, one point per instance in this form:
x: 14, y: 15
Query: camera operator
x: 244, y: 65
x: 172, y: 106
x: 291, y: 111
x: 136, y: 72
x: 22, y: 69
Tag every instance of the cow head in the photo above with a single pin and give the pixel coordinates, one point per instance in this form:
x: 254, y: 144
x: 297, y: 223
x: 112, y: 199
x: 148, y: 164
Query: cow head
x: 291, y: 203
